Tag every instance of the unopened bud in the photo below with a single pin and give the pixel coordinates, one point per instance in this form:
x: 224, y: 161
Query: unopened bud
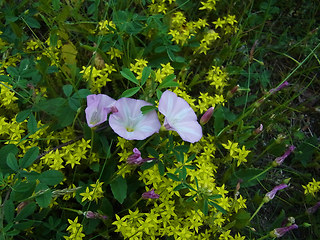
x: 206, y: 116
x: 258, y: 130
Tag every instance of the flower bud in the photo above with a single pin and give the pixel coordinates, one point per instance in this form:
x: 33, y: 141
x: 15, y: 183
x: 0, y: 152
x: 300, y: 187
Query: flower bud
x: 150, y: 195
x: 279, y: 160
x: 279, y: 232
x: 206, y: 116
x: 270, y: 195
x: 282, y: 85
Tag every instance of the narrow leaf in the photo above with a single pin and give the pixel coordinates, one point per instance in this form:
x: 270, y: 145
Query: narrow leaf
x: 130, y: 92
x: 32, y: 124
x: 21, y: 116
x: 173, y: 177
x: 146, y: 109
x: 126, y: 73
x: 145, y: 74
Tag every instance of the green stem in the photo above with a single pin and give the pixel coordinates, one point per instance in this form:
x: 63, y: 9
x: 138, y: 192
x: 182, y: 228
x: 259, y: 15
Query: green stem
x: 264, y: 237
x: 258, y: 209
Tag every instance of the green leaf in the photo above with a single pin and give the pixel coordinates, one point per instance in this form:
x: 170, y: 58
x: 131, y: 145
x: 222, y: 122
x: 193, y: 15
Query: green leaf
x: 179, y: 187
x: 173, y: 177
x: 159, y: 93
x: 26, y: 211
x: 51, y: 177
x: 152, y: 152
x: 205, y: 208
x: 215, y: 196
x: 168, y: 82
x: 161, y: 168
x: 119, y: 189
x: 45, y: 197
x: 218, y: 120
x: 82, y: 93
x: 220, y: 209
x: 32, y: 22
x: 12, y: 162
x: 126, y: 73
x: 147, y: 165
x: 148, y: 108
x: 32, y: 124
x: 130, y: 92
x: 242, y: 218
x: 56, y: 5
x: 21, y: 116
x: 30, y: 156
x: 67, y: 89
x: 8, y: 210
x: 145, y: 74
x: 249, y: 177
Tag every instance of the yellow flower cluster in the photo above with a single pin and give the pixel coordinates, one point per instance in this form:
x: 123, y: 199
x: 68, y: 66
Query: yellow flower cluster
x: 207, y: 40
x: 181, y: 30
x: 138, y: 67
x: 171, y: 216
x: 239, y: 154
x: 217, y: 78
x: 114, y: 53
x: 97, y: 78
x: 165, y: 71
x: 312, y: 187
x: 206, y: 101
x: 7, y: 97
x: 94, y: 194
x: 208, y: 5
x: 227, y: 23
x: 159, y: 6
x: 75, y: 230
x: 106, y: 27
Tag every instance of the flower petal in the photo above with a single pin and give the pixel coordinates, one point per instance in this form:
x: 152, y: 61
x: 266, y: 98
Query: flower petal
x: 130, y: 123
x: 98, y: 108
x: 180, y: 117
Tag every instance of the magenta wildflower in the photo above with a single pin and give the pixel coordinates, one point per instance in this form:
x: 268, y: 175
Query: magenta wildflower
x: 313, y: 209
x: 270, y: 195
x: 279, y: 232
x: 282, y: 85
x: 179, y: 117
x: 129, y: 122
x: 150, y: 195
x: 206, y: 116
x: 136, y: 159
x: 279, y: 160
x: 98, y: 108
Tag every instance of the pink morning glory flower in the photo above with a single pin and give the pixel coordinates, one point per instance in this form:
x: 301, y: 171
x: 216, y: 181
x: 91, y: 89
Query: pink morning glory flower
x: 98, y: 108
x: 179, y: 117
x: 129, y: 122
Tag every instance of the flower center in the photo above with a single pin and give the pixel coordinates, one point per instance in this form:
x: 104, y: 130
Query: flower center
x: 95, y: 118
x: 129, y: 129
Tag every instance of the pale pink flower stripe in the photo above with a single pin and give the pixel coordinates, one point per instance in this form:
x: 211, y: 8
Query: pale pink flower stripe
x: 129, y: 122
x: 98, y: 108
x: 179, y: 117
